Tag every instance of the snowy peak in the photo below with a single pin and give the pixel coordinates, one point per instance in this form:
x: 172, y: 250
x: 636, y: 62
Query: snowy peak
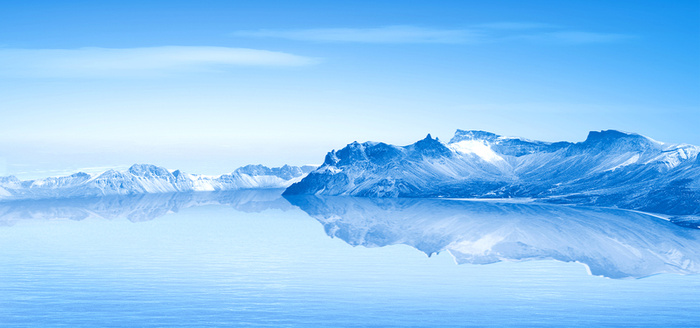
x: 511, y: 146
x: 148, y: 170
x: 608, y: 136
x: 379, y: 153
x: 285, y: 172
x: 428, y: 148
x: 462, y: 135
x: 368, y: 152
x: 354, y: 152
x: 9, y: 179
x: 148, y: 179
x: 610, y: 168
x: 515, y: 146
x: 58, y: 182
x: 612, y: 140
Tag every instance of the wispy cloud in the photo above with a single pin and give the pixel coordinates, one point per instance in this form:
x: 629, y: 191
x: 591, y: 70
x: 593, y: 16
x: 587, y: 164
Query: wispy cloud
x: 577, y: 37
x: 514, y: 26
x: 386, y: 34
x: 111, y: 62
x: 475, y: 34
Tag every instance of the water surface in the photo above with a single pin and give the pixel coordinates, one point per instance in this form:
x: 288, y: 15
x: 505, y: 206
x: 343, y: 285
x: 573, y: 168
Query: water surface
x: 254, y: 259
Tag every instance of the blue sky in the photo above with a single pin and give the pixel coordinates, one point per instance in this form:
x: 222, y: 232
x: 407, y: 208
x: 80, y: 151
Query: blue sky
x: 208, y: 86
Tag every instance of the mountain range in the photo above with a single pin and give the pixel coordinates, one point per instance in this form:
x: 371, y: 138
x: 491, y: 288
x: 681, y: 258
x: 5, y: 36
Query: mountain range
x: 149, y: 179
x: 609, y: 169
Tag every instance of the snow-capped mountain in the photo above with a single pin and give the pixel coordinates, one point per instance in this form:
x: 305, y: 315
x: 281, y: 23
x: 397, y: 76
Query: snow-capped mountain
x: 610, y: 168
x: 148, y: 179
x: 613, y: 243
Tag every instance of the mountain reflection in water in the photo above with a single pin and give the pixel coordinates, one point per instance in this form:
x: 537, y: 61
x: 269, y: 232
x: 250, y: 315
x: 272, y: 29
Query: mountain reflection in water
x: 139, y: 207
x: 611, y: 243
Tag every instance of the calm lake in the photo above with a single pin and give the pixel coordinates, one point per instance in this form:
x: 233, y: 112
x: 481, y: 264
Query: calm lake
x: 256, y: 259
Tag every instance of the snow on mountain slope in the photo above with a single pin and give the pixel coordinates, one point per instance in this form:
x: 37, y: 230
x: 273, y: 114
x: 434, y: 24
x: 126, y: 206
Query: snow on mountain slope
x: 610, y: 168
x: 149, y: 179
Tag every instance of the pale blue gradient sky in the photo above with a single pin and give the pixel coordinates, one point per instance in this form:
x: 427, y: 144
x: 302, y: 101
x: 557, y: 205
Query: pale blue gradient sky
x: 211, y: 85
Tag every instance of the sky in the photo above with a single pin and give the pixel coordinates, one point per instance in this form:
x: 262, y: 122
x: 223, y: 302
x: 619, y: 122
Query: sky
x: 208, y: 86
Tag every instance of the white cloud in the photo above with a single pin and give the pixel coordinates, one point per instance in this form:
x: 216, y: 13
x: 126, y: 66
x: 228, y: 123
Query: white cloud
x: 386, y: 34
x: 514, y: 26
x: 483, y: 33
x: 576, y: 37
x: 111, y: 62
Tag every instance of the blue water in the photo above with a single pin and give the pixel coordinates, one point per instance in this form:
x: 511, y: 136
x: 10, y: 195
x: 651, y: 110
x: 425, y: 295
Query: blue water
x: 233, y: 263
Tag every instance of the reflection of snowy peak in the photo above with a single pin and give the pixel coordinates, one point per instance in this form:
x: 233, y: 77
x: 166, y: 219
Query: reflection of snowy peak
x: 609, y: 168
x: 138, y: 207
x: 611, y: 242
x: 147, y: 179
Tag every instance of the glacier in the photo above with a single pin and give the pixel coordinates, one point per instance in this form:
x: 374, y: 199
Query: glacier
x: 149, y: 179
x: 608, y: 169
